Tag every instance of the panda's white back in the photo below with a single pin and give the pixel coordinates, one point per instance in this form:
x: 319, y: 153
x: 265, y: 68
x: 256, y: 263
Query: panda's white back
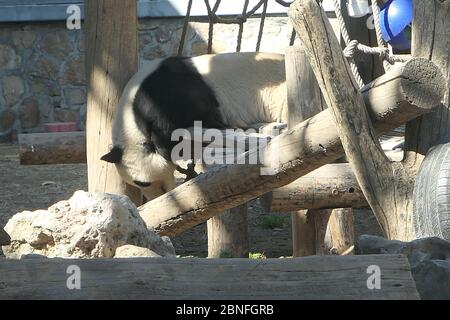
x: 250, y: 87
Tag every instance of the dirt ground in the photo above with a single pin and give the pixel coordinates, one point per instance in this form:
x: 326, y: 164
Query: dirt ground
x: 38, y: 187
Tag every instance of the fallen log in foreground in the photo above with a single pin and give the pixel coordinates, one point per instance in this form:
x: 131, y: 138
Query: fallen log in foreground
x: 331, y: 277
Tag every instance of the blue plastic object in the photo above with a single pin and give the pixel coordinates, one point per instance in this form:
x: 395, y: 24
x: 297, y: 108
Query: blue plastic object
x: 396, y: 16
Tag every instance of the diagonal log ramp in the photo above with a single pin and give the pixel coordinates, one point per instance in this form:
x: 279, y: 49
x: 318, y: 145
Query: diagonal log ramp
x: 331, y: 277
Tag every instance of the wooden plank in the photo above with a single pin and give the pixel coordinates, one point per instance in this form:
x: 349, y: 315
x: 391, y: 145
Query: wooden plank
x: 331, y: 277
x: 294, y: 153
x: 109, y: 65
x: 52, y: 148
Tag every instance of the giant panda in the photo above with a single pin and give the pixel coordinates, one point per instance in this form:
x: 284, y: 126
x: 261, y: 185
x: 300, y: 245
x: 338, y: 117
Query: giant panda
x: 231, y: 90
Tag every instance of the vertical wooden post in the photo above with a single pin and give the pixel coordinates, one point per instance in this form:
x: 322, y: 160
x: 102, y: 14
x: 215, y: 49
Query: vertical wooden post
x: 228, y: 235
x: 112, y: 58
x: 430, y: 40
x: 340, y: 236
x: 304, y: 101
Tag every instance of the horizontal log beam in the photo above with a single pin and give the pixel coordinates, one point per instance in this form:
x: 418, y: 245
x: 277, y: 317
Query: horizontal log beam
x: 410, y: 89
x: 52, y: 148
x: 313, y: 278
x: 329, y: 187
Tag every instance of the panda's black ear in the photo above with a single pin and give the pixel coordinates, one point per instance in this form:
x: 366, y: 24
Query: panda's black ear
x: 114, y: 156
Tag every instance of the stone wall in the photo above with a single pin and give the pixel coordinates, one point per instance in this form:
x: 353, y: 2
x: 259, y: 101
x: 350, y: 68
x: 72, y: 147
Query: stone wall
x: 42, y: 75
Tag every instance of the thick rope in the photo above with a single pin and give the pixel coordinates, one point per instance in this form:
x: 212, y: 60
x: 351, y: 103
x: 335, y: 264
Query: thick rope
x: 353, y: 45
x: 381, y: 43
x: 241, y: 26
x: 261, y: 26
x: 185, y: 27
x: 346, y: 37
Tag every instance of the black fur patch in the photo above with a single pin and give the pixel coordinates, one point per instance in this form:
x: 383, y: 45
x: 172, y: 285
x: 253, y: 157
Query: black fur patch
x: 174, y: 96
x: 142, y: 184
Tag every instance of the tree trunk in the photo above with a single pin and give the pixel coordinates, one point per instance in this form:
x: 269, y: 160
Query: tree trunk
x: 112, y: 58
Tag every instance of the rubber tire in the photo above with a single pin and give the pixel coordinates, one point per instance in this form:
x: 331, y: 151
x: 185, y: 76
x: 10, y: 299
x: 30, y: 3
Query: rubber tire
x: 431, y: 200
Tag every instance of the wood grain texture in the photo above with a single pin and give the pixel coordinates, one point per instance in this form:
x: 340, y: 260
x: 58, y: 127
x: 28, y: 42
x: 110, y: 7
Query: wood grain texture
x: 304, y: 101
x: 340, y: 235
x: 321, y: 278
x: 385, y: 185
x: 52, y: 148
x: 331, y: 186
x: 228, y: 235
x: 111, y: 60
x: 296, y: 152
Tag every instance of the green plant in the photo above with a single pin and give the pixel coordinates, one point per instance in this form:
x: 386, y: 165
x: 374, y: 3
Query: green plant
x: 256, y: 255
x: 226, y: 254
x: 272, y: 221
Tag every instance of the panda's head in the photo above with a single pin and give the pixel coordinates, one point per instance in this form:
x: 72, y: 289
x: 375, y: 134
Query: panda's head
x: 142, y: 168
x: 134, y: 148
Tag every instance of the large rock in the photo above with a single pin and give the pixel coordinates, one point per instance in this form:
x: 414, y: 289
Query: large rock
x: 429, y: 259
x: 85, y: 226
x: 130, y: 251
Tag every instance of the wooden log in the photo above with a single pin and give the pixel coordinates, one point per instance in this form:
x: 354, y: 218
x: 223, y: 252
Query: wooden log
x: 384, y: 183
x: 228, y: 234
x: 52, y: 148
x: 392, y: 99
x: 304, y: 236
x: 304, y: 101
x: 331, y: 277
x: 331, y: 186
x: 340, y: 235
x: 110, y: 63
